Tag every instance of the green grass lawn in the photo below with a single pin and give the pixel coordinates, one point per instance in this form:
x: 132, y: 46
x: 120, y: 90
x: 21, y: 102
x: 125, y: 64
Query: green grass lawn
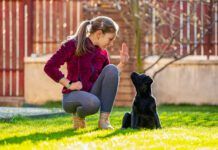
x: 184, y: 127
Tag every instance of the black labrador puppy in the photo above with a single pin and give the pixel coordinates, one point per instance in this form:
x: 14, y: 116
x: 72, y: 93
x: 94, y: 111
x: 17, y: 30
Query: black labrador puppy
x: 144, y: 113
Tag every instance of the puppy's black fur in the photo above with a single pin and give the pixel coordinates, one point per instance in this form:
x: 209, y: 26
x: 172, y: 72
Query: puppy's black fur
x: 144, y: 114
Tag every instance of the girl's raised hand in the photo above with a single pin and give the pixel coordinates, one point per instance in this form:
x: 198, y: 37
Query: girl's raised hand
x: 124, y: 54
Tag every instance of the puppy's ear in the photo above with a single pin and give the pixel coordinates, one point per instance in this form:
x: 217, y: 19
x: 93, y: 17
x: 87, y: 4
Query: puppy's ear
x: 150, y: 80
x: 134, y: 73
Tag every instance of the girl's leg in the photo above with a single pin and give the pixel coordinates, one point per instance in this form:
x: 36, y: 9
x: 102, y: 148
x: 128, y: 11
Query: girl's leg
x: 105, y: 88
x: 81, y: 104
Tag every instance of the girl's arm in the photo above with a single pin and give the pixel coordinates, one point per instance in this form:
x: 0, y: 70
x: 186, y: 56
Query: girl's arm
x: 57, y: 60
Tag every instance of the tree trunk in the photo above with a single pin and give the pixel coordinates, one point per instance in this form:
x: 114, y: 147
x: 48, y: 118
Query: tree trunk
x: 136, y: 19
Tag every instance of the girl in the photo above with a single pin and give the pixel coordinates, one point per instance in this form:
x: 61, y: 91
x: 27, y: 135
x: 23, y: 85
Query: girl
x: 91, y: 82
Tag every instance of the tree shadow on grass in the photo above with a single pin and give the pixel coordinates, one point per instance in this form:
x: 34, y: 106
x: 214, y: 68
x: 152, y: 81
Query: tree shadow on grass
x: 36, y: 137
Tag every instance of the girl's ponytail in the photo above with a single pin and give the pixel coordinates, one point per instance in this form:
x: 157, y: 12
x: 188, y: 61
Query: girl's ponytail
x: 81, y: 36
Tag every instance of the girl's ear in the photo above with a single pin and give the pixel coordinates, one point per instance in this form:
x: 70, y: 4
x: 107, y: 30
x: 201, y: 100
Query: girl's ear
x: 98, y: 34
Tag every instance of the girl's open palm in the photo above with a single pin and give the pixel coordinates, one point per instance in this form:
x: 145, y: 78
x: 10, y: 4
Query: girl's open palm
x: 124, y: 54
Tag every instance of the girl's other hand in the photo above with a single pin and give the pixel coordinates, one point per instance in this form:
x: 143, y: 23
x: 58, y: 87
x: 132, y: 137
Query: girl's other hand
x: 76, y: 85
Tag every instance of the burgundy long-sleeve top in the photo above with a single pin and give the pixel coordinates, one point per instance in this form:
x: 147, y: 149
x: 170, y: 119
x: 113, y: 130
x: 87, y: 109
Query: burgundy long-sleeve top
x: 85, y: 68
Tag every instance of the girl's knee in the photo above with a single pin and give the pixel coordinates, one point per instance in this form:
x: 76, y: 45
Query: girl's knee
x: 112, y: 70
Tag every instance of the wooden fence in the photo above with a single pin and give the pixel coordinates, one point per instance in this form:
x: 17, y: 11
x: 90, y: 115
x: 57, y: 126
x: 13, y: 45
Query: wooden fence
x: 12, y: 43
x: 31, y: 27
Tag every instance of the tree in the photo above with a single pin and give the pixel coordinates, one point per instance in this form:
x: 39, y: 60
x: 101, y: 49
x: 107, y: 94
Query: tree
x: 149, y: 16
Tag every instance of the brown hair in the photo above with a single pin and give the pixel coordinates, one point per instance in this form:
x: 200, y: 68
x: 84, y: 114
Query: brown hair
x: 103, y: 23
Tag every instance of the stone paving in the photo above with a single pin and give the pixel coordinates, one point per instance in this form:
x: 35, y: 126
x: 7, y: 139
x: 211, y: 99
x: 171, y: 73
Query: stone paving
x: 9, y: 112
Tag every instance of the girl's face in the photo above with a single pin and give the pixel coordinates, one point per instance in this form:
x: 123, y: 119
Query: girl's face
x: 106, y: 40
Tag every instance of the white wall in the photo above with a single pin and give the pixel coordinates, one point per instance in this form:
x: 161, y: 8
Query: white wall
x: 193, y: 80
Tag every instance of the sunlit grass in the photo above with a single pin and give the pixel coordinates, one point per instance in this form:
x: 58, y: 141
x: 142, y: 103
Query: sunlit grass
x: 184, y: 127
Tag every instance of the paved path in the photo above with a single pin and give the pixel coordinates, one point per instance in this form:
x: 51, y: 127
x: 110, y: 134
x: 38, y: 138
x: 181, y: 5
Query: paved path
x: 9, y: 112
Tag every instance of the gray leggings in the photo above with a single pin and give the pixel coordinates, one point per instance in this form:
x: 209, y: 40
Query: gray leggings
x: 101, y: 96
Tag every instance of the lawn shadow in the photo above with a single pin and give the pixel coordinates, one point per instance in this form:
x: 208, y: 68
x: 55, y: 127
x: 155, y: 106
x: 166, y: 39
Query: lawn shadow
x: 120, y: 131
x: 36, y: 137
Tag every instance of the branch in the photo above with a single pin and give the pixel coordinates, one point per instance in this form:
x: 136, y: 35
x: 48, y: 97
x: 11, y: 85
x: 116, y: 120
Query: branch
x: 170, y: 43
x: 191, y: 51
x: 164, y: 51
x: 125, y: 20
x: 171, y: 14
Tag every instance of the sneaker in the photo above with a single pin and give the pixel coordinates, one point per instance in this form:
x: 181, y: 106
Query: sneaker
x: 78, y: 123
